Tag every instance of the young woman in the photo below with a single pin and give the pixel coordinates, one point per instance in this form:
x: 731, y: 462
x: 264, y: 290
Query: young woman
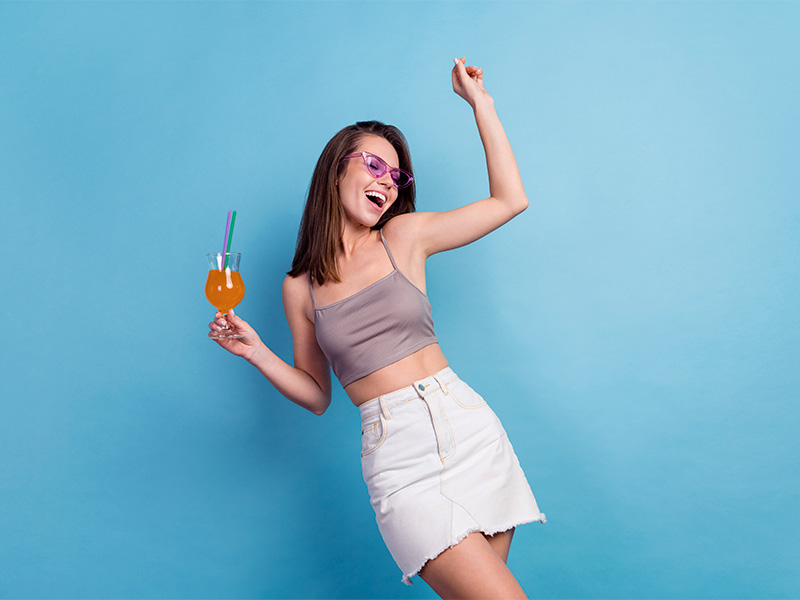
x: 443, y: 479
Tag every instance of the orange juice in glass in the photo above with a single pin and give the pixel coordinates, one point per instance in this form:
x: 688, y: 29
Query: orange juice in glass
x: 224, y: 286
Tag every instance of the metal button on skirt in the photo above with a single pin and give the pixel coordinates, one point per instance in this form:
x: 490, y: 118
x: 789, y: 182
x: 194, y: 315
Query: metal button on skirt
x: 438, y: 466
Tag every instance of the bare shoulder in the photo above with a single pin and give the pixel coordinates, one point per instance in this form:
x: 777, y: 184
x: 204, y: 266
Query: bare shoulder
x: 404, y: 225
x: 402, y: 232
x: 403, y: 237
x: 293, y: 285
x: 296, y: 295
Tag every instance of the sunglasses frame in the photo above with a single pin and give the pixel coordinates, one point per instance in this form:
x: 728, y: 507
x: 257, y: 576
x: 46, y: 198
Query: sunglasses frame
x: 386, y: 168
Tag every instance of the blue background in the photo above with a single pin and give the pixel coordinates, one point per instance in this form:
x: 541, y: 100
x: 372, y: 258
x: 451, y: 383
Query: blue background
x: 638, y: 325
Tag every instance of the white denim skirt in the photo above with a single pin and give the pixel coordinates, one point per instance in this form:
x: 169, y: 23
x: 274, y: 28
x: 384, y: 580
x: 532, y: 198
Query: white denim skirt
x: 438, y: 466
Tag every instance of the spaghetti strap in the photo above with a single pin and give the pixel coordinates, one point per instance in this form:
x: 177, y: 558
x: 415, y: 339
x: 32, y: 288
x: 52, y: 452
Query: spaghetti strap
x: 311, y: 289
x: 389, y: 252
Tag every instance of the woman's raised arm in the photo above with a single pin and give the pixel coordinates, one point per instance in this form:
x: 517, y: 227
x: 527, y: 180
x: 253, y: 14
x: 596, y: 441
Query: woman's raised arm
x: 437, y: 232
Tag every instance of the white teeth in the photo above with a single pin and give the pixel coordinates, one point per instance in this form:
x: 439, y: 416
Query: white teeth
x: 378, y: 195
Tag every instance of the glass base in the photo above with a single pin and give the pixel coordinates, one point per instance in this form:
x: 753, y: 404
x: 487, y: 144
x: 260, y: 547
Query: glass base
x: 225, y: 334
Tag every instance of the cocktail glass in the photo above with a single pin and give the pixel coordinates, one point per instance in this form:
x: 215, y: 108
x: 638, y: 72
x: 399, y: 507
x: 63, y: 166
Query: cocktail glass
x: 224, y: 286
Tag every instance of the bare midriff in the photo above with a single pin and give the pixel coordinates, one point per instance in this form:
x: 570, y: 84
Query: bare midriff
x: 404, y: 372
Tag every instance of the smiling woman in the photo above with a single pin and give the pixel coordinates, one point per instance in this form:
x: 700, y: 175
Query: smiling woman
x: 443, y: 479
x: 319, y: 239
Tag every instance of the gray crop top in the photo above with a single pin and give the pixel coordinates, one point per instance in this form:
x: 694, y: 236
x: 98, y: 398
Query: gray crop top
x: 383, y: 323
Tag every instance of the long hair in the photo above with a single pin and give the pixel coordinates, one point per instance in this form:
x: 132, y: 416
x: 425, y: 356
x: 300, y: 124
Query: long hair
x: 320, y: 235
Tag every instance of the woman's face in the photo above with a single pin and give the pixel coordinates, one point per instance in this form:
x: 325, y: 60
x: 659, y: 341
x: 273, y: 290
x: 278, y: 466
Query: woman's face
x: 364, y: 198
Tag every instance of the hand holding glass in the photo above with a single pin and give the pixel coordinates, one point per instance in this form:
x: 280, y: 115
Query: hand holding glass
x: 224, y: 287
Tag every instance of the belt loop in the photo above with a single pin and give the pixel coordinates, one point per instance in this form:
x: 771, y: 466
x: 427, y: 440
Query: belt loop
x: 384, y: 408
x: 442, y: 384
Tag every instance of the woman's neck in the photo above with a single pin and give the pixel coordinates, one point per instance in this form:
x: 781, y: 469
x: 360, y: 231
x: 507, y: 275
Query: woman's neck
x: 353, y: 237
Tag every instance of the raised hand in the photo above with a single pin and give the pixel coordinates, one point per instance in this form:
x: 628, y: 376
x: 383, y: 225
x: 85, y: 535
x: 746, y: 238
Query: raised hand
x: 244, y: 346
x: 468, y: 82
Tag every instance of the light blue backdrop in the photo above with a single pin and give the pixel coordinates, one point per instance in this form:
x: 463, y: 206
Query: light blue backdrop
x: 640, y: 319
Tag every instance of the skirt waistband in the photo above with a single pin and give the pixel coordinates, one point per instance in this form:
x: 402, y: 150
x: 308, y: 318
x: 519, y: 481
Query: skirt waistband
x: 419, y: 389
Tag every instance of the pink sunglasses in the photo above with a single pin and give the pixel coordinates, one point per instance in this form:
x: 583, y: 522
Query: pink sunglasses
x: 377, y: 167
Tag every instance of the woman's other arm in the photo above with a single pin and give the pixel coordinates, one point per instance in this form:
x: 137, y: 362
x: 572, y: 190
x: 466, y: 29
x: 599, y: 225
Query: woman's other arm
x: 308, y: 382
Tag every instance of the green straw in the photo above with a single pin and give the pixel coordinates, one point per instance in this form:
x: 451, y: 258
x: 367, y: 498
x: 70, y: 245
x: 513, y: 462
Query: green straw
x: 230, y: 238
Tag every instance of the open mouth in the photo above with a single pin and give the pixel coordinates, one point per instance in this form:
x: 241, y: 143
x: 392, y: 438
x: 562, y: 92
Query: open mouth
x: 376, y: 198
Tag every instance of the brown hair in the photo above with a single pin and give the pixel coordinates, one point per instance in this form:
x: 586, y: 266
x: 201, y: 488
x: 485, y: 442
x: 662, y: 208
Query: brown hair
x: 320, y: 235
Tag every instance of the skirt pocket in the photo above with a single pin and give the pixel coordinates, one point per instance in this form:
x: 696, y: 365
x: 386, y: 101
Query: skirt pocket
x: 464, y: 396
x: 373, y: 436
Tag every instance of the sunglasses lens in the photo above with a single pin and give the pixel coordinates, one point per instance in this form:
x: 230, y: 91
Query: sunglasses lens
x: 400, y: 179
x: 375, y: 166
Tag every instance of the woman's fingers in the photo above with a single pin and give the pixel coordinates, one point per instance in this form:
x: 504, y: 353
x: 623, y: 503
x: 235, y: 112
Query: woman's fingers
x: 479, y: 77
x: 217, y: 324
x: 235, y: 321
x: 226, y: 322
x: 468, y: 81
x: 462, y: 71
x: 246, y: 345
x: 474, y: 73
x: 462, y: 66
x: 459, y: 70
x: 250, y: 337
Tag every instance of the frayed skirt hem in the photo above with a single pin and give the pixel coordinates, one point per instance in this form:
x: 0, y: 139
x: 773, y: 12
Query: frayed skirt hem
x: 407, y: 577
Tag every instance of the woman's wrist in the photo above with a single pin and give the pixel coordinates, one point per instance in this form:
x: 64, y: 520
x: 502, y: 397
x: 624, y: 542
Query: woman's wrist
x: 484, y: 102
x: 257, y: 351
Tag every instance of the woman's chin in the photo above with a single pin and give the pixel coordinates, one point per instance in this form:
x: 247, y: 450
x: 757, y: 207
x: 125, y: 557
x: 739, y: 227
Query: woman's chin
x: 366, y: 221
